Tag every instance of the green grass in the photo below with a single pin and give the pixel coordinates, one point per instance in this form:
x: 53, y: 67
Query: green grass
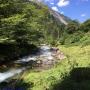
x: 77, y: 56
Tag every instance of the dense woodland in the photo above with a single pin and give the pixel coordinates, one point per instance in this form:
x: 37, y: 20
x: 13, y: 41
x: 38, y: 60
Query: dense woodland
x: 24, y: 24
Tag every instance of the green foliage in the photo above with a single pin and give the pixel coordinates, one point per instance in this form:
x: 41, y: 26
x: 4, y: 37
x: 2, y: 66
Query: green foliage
x: 85, y: 26
x: 72, y: 27
x: 27, y: 21
x: 63, y: 76
x: 23, y: 22
x: 75, y: 33
x: 85, y: 40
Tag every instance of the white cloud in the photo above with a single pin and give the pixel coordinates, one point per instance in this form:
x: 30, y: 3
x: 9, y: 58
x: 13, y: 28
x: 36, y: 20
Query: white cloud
x: 55, y: 8
x: 62, y: 12
x: 52, y: 3
x: 63, y: 3
x: 83, y: 15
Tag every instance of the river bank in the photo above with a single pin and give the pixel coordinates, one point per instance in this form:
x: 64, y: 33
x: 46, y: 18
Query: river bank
x: 44, y: 59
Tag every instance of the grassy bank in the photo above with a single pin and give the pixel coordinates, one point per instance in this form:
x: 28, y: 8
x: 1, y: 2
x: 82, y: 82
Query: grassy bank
x: 59, y: 77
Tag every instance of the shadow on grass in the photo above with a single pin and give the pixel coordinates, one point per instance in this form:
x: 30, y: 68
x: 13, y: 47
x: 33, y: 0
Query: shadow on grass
x: 16, y: 85
x: 79, y: 79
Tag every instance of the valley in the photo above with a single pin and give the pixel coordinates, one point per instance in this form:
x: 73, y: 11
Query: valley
x: 42, y: 49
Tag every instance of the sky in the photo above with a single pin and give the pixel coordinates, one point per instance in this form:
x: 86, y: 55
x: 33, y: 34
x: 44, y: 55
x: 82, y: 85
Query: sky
x: 74, y: 9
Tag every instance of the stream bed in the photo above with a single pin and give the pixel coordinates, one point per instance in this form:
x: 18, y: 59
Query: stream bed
x: 44, y: 59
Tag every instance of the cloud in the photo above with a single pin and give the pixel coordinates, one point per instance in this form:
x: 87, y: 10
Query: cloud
x: 55, y: 8
x: 83, y: 15
x: 62, y: 12
x: 63, y: 3
x: 52, y: 3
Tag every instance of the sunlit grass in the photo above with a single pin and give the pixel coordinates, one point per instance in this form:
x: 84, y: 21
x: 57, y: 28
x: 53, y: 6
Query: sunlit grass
x: 77, y: 56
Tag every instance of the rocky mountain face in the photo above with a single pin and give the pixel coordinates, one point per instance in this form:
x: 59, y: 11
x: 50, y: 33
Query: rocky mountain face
x: 59, y: 17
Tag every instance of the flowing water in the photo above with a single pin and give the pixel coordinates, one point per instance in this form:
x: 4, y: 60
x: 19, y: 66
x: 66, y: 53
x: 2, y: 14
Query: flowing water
x: 45, y: 53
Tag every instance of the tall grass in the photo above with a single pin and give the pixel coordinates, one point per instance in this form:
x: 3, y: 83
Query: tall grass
x: 77, y: 56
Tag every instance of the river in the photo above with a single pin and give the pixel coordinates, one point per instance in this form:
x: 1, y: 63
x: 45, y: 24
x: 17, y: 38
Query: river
x: 45, y: 54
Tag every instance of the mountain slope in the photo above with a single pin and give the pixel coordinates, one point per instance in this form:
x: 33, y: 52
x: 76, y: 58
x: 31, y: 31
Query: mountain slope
x: 60, y: 17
